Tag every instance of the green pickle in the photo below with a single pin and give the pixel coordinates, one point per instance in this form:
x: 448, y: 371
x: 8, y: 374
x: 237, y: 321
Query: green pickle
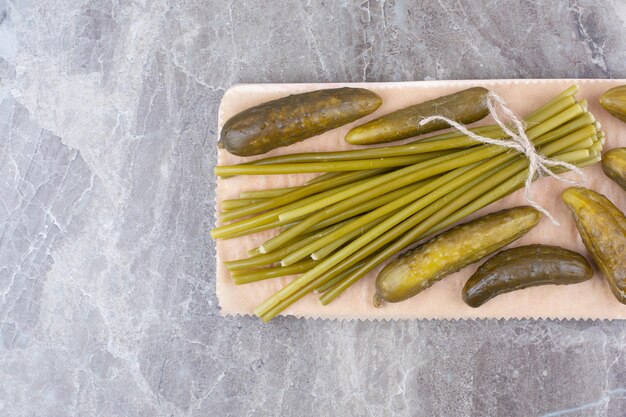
x: 602, y: 228
x: 614, y: 101
x: 294, y: 118
x: 523, y: 267
x: 467, y: 106
x: 614, y: 165
x: 451, y: 251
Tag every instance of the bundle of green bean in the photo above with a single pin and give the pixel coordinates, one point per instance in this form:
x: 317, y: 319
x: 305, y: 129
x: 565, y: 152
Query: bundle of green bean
x: 341, y: 225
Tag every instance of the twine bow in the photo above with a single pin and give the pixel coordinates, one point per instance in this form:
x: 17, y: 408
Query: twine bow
x: 513, y: 127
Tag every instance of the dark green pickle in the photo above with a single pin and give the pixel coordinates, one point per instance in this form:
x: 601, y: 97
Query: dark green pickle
x: 467, y: 106
x: 602, y: 228
x: 614, y: 165
x: 291, y: 119
x: 523, y: 267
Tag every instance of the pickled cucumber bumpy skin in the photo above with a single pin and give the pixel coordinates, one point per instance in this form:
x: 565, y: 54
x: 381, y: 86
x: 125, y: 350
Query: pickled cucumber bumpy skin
x: 291, y: 119
x: 467, y: 106
x: 523, y: 267
x: 453, y: 250
x: 614, y: 101
x: 614, y: 165
x: 602, y: 228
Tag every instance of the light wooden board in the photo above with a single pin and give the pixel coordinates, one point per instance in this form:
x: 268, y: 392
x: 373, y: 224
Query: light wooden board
x: 589, y: 300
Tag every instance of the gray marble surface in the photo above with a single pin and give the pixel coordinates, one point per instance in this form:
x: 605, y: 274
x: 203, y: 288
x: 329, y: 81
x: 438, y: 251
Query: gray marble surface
x: 108, y: 115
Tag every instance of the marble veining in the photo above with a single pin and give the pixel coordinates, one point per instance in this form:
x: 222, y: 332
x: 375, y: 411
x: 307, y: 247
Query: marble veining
x: 108, y: 112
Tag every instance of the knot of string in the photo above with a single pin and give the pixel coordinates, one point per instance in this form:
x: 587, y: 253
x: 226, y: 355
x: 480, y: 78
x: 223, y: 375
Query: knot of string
x: 514, y: 128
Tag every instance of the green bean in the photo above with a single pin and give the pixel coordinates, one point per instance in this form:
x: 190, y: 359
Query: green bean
x: 329, y: 187
x: 435, y: 166
x: 274, y: 192
x: 239, y: 202
x: 502, y: 190
x: 336, y: 282
x: 248, y: 276
x: 325, y: 177
x: 409, y: 203
x: 418, y: 151
x: 583, y: 144
x: 589, y: 161
x: 412, y: 148
x: 597, y: 146
x: 320, y: 281
x: 331, y: 274
x: 569, y: 91
x: 373, y: 203
x: 263, y: 221
x: 352, y: 165
x: 368, y: 205
x: 354, y: 201
x: 273, y: 312
x: 265, y: 259
x: 262, y: 226
x: 554, y: 146
x: 386, y: 183
x: 339, y: 286
x: 373, y: 242
x: 554, y: 122
x: 415, y: 233
x: 507, y: 187
x: 566, y: 141
x: 574, y: 155
x: 241, y: 226
x: 332, y: 282
x: 440, y: 219
x: 556, y: 105
x: 397, y: 179
x: 573, y: 125
x: 332, y: 246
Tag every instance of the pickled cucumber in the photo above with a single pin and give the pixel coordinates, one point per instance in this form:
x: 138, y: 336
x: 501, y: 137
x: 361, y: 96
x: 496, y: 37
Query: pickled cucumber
x: 614, y: 165
x: 614, y: 101
x: 523, y: 267
x: 602, y: 228
x: 451, y: 251
x: 294, y: 118
x: 465, y: 107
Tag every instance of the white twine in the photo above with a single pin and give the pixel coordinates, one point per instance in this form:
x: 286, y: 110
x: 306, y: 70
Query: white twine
x: 538, y: 164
